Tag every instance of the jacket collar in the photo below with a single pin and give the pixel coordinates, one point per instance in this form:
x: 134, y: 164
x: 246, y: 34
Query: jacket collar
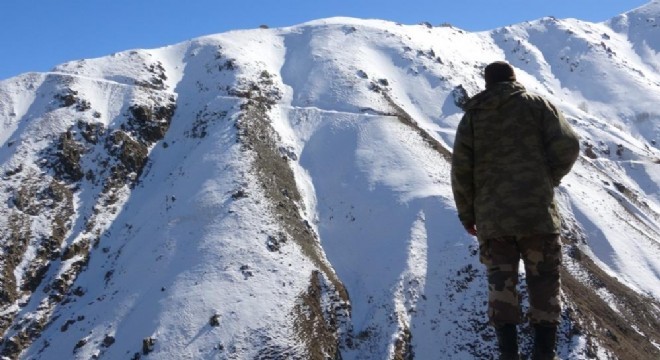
x: 495, y: 95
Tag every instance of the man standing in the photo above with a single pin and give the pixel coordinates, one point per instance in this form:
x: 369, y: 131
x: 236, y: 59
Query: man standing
x: 511, y: 149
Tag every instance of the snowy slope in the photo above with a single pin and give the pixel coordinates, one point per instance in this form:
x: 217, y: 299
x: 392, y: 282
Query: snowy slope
x: 284, y: 193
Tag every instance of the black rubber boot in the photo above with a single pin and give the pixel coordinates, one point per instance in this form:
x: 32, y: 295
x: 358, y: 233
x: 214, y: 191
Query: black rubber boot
x: 507, y: 338
x: 545, y: 342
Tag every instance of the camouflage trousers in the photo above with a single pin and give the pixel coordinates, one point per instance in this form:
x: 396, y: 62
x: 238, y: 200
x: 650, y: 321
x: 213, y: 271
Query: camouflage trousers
x: 541, y: 255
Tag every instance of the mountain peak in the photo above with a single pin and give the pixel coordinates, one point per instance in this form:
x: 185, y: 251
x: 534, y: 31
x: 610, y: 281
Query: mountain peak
x: 285, y: 193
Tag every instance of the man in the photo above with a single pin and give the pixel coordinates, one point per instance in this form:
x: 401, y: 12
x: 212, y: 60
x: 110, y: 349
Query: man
x: 511, y: 149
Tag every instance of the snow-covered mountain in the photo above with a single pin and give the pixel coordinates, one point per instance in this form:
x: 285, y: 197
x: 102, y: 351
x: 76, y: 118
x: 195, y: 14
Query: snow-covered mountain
x: 284, y: 194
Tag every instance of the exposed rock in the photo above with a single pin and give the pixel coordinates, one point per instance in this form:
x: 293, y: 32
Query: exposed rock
x: 274, y: 172
x: 318, y: 316
x: 214, y: 320
x: 67, y: 98
x: 148, y: 345
x: 629, y: 332
x: 131, y: 154
x: 403, y: 349
x: 82, y: 342
x: 460, y: 96
x: 78, y: 248
x: 17, y: 237
x: 619, y: 150
x: 150, y: 123
x: 68, y: 158
x: 91, y: 132
x: 589, y: 151
x: 108, y: 340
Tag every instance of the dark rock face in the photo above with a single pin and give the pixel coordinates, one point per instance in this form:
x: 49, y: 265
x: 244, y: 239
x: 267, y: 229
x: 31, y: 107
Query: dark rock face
x: 132, y: 155
x: 68, y: 156
x: 86, y: 155
x: 149, y: 124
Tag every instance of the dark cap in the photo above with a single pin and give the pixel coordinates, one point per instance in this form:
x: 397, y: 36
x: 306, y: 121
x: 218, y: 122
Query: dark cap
x: 498, y: 71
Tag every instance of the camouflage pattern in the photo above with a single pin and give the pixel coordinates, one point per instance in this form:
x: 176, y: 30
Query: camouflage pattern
x: 541, y: 255
x: 511, y: 149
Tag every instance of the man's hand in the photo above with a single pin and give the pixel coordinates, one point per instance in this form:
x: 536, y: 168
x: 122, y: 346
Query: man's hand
x: 471, y: 229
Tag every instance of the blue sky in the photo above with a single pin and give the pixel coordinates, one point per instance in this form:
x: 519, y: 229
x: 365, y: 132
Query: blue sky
x: 36, y: 35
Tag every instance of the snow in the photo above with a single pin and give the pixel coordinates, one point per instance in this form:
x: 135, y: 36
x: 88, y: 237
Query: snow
x: 178, y: 248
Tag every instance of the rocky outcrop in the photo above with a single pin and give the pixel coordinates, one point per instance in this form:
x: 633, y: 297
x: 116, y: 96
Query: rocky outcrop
x: 43, y: 198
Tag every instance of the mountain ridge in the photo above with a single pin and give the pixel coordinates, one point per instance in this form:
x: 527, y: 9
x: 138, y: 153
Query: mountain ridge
x: 284, y: 193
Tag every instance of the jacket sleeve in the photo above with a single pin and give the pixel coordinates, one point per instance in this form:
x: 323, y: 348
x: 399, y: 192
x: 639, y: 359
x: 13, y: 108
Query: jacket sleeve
x: 562, y: 144
x: 462, y: 169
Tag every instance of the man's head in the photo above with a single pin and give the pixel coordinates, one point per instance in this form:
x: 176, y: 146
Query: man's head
x: 498, y: 71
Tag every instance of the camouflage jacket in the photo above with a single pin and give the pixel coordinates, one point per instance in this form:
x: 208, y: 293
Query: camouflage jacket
x: 511, y: 149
